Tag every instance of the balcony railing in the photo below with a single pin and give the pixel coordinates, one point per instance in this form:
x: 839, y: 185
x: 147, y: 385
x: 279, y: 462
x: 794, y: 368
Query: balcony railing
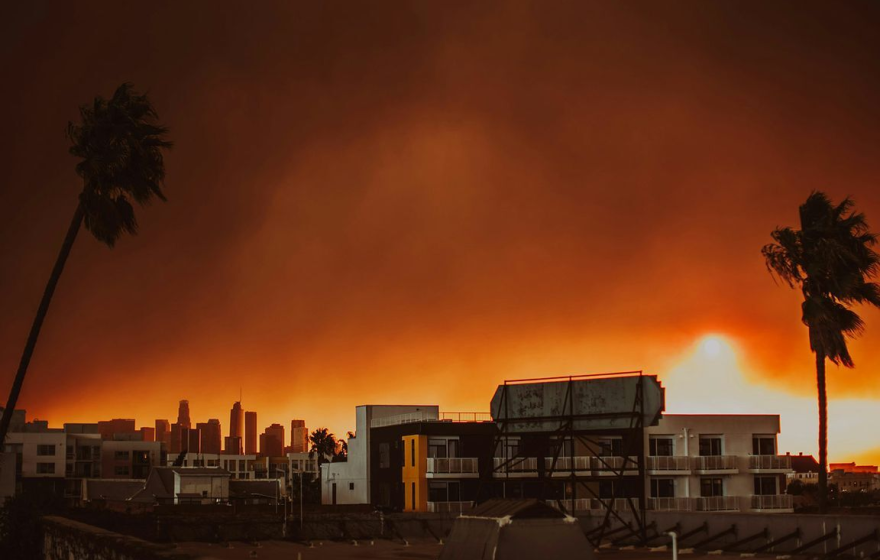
x: 568, y: 463
x: 770, y: 462
x: 668, y: 463
x: 777, y: 501
x: 716, y: 463
x: 465, y: 417
x: 717, y: 503
x: 406, y: 418
x: 670, y: 504
x: 449, y: 507
x: 458, y: 465
x: 580, y: 504
x: 515, y: 465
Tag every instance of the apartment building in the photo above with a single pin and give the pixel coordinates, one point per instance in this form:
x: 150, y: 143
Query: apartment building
x: 240, y: 467
x: 420, y: 460
x: 130, y: 459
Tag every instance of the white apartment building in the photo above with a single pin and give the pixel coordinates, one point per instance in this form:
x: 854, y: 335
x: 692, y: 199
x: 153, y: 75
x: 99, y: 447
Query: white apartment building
x: 349, y: 482
x: 43, y: 453
x: 716, y: 462
x: 239, y: 466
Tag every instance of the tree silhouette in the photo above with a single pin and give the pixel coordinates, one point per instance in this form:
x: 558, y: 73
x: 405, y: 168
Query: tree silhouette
x: 323, y: 444
x: 830, y: 259
x: 120, y: 144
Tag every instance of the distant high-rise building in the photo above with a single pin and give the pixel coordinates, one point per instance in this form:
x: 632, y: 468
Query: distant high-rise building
x: 272, y: 441
x: 163, y: 432
x: 183, y: 414
x: 179, y: 439
x: 236, y: 422
x: 250, y: 432
x: 148, y: 434
x: 299, y: 436
x: 107, y: 428
x: 212, y: 436
x: 232, y: 446
x: 194, y: 441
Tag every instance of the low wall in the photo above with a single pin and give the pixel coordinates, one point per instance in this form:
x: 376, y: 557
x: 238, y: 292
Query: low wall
x: 64, y: 539
x: 848, y: 528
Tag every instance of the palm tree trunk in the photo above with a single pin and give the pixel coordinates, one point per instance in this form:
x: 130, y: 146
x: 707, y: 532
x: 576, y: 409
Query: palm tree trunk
x: 823, y: 432
x: 38, y: 321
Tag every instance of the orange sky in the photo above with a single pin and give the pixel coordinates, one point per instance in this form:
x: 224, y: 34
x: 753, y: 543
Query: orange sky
x: 413, y: 202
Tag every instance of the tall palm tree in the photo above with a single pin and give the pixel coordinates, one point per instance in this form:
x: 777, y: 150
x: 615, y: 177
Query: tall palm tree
x: 323, y: 444
x: 830, y: 259
x: 120, y: 144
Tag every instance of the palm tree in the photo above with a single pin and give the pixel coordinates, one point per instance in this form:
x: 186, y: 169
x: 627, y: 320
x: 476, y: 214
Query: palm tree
x: 120, y: 145
x: 830, y: 259
x: 324, y: 444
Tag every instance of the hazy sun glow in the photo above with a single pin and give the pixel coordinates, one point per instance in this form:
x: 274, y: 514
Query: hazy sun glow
x: 712, y: 378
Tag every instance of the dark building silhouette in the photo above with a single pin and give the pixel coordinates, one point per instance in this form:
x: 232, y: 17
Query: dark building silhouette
x: 109, y: 428
x: 179, y: 439
x: 163, y: 432
x: 148, y: 434
x: 236, y: 422
x: 250, y: 432
x: 212, y: 436
x: 194, y: 440
x: 183, y: 414
x: 299, y: 436
x: 272, y: 441
x: 232, y: 446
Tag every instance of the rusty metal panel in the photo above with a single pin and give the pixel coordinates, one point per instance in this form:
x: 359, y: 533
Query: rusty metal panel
x: 603, y: 403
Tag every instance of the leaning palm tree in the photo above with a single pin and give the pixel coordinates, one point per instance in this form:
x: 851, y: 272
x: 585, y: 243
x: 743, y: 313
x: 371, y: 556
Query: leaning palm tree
x: 120, y: 144
x: 830, y: 259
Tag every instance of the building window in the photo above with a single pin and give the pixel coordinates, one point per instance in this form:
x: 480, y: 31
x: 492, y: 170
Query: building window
x: 412, y: 452
x: 45, y: 450
x: 611, y: 447
x: 508, y: 447
x: 384, y: 455
x: 413, y: 489
x: 351, y: 485
x: 121, y: 455
x: 710, y: 445
x: 442, y: 448
x: 660, y: 446
x: 121, y: 470
x: 45, y: 468
x: 711, y: 486
x: 662, y: 488
x: 763, y: 445
x: 444, y: 492
x: 765, y: 486
x: 607, y: 489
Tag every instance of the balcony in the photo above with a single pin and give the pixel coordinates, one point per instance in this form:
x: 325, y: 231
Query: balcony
x: 772, y: 502
x: 580, y: 504
x: 717, y: 503
x: 517, y: 465
x: 716, y: 463
x: 567, y: 464
x: 670, y: 504
x: 459, y: 466
x: 450, y: 507
x: 770, y: 463
x: 669, y: 464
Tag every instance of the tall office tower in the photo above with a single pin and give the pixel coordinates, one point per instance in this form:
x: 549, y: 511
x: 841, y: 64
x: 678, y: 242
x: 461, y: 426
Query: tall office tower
x: 148, y: 433
x: 212, y: 436
x: 163, y: 432
x: 272, y: 441
x: 250, y: 432
x: 299, y: 436
x: 194, y: 439
x: 183, y: 414
x: 236, y: 422
x: 232, y: 446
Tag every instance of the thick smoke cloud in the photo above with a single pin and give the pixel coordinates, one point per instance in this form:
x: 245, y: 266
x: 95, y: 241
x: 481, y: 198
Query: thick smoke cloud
x: 412, y: 202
